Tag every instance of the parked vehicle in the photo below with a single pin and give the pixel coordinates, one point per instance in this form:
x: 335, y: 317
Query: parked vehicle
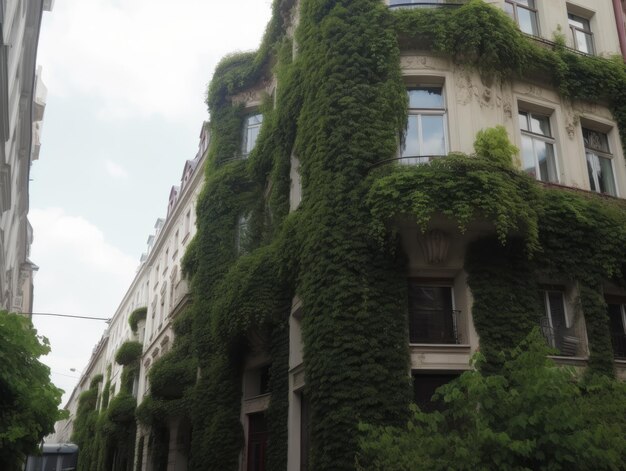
x: 54, y: 457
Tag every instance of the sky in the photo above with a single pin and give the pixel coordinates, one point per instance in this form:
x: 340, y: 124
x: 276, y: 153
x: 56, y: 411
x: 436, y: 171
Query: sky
x: 126, y: 87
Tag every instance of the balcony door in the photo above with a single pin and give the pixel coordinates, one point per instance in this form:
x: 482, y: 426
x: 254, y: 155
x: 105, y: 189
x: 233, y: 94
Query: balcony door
x: 431, y: 314
x: 257, y: 442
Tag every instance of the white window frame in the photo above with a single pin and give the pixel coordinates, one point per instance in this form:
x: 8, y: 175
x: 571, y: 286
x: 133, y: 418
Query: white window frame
x: 246, y: 129
x: 546, y: 301
x: 419, y: 112
x: 534, y: 136
x: 600, y: 154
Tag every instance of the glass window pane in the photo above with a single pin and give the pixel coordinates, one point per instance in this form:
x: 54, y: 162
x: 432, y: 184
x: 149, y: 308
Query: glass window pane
x: 584, y: 42
x: 606, y: 179
x: 593, y: 167
x: 411, y: 138
x: 426, y: 97
x: 433, y: 135
x: 578, y: 22
x: 527, y: 21
x: 596, y: 140
x: 547, y: 162
x: 523, y: 121
x: 540, y: 125
x: 528, y: 156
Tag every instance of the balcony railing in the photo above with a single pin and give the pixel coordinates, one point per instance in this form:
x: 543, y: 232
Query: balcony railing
x: 417, y: 4
x: 439, y: 326
x: 562, y: 338
x: 619, y: 346
x: 415, y: 160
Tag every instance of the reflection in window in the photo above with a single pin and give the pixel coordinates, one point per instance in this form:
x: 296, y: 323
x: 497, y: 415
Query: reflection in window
x: 599, y: 162
x: 581, y: 33
x: 242, y: 235
x: 538, y: 153
x: 426, y: 130
x: 524, y: 12
x: 251, y: 131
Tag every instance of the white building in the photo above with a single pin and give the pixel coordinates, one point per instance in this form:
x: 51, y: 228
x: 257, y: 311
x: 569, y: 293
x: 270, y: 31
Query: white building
x: 157, y: 285
x: 22, y: 104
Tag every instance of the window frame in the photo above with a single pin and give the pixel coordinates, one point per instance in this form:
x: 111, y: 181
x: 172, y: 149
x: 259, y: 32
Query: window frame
x: 573, y: 29
x: 419, y: 112
x: 541, y: 137
x: 438, y: 283
x: 515, y: 4
x: 245, y: 153
x: 599, y: 154
x: 548, y: 310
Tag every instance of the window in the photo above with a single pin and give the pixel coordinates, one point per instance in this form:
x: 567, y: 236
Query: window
x: 425, y: 134
x: 538, y: 155
x: 258, y: 435
x: 251, y: 131
x: 599, y: 162
x: 242, y: 233
x: 555, y: 326
x: 617, y: 324
x: 524, y: 12
x: 581, y: 33
x: 187, y: 224
x: 432, y: 318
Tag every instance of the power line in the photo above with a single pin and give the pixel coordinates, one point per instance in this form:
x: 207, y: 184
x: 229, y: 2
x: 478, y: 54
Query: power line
x: 66, y: 315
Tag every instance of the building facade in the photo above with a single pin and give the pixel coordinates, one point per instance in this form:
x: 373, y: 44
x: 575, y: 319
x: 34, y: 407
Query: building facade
x: 22, y: 104
x: 159, y: 288
x: 366, y: 227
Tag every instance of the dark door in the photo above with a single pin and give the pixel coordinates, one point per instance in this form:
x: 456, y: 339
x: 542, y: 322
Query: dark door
x: 257, y: 442
x: 430, y: 314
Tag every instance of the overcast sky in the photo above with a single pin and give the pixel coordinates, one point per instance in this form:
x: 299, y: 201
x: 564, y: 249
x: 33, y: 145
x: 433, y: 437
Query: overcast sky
x: 126, y: 85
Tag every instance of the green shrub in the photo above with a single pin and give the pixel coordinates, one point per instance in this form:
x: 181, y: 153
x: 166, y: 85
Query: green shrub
x: 128, y: 352
x: 531, y: 415
x: 137, y: 316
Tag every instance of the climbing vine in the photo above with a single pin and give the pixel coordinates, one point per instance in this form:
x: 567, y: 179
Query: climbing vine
x: 339, y: 106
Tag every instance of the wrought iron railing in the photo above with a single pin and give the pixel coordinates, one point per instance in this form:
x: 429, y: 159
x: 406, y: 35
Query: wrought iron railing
x: 560, y: 337
x: 414, y: 160
x: 431, y: 4
x: 619, y: 346
x: 434, y: 326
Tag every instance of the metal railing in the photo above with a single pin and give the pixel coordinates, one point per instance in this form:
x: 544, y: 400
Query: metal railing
x: 560, y: 337
x: 434, y: 326
x: 414, y: 160
x: 619, y: 346
x: 431, y: 4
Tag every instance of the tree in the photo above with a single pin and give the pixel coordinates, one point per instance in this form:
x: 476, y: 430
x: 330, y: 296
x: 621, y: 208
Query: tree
x: 531, y: 415
x: 28, y: 399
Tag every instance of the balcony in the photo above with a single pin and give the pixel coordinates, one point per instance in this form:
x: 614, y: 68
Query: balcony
x: 434, y: 326
x: 619, y: 345
x: 400, y: 4
x: 408, y: 161
x: 560, y: 337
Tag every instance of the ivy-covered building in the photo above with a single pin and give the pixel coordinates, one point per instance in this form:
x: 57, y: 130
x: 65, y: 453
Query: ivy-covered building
x: 390, y: 188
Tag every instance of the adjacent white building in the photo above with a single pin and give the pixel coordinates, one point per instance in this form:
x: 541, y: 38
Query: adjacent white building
x: 158, y: 286
x: 22, y: 104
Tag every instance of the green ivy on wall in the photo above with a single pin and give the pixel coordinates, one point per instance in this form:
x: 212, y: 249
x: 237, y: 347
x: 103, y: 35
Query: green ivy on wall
x: 340, y: 107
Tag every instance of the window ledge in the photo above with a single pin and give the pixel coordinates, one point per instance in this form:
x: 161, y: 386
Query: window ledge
x: 440, y: 347
x: 573, y: 361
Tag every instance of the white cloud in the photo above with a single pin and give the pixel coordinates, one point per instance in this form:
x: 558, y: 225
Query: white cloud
x: 144, y: 57
x: 82, y: 274
x: 115, y: 170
